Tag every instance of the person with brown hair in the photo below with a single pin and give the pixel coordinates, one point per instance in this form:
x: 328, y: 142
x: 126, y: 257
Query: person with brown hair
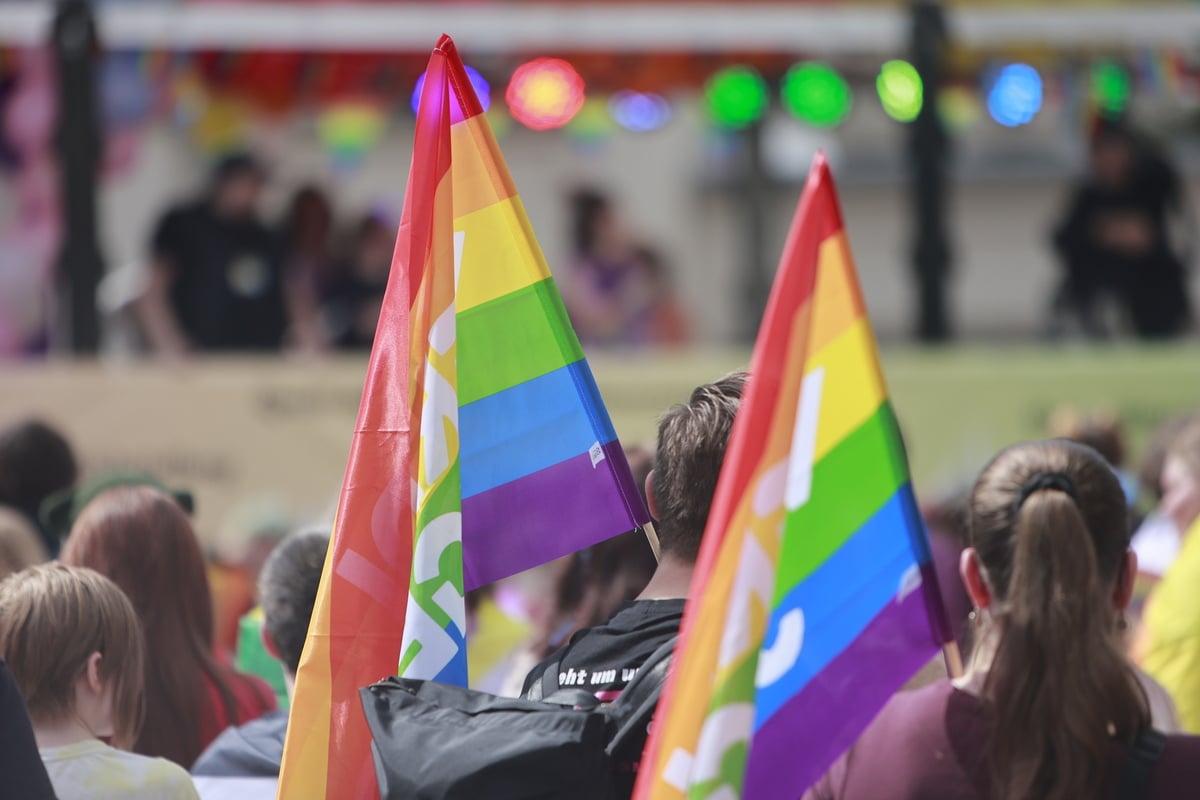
x: 1050, y: 707
x: 688, y: 458
x: 72, y: 641
x: 142, y: 540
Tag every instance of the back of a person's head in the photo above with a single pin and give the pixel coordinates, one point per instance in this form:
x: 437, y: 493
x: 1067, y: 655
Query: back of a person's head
x: 20, y: 545
x: 52, y: 619
x: 287, y: 591
x: 1047, y: 522
x: 1100, y: 431
x: 1154, y: 454
x: 142, y: 540
x: 35, y: 462
x: 692, y: 438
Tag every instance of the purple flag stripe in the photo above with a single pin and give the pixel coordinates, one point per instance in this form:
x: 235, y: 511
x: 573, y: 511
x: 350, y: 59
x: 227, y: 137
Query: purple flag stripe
x: 554, y: 512
x: 810, y: 731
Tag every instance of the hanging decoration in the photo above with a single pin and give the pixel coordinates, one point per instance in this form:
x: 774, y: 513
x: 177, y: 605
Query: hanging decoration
x: 900, y: 90
x: 639, y: 111
x: 816, y: 94
x: 1015, y: 96
x: 349, y: 130
x: 736, y: 97
x: 545, y: 93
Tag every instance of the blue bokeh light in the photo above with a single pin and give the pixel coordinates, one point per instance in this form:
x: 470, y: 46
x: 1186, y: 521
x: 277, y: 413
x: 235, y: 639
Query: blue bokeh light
x: 483, y: 89
x: 639, y: 112
x: 1016, y: 95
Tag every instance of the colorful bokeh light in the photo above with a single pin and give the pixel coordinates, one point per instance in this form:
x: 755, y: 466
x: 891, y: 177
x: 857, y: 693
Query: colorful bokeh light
x: 638, y: 111
x: 900, y: 90
x: 816, y: 94
x: 483, y: 89
x: 1111, y: 87
x: 736, y: 97
x: 545, y: 93
x: 1016, y: 95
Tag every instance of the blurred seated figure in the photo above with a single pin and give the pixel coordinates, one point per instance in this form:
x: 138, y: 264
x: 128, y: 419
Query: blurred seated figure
x: 73, y: 642
x: 1115, y: 242
x: 1157, y: 539
x: 287, y: 590
x: 142, y: 540
x: 1050, y: 708
x: 353, y: 295
x: 35, y: 462
x: 216, y: 281
x: 306, y: 235
x: 1100, y: 431
x: 616, y: 291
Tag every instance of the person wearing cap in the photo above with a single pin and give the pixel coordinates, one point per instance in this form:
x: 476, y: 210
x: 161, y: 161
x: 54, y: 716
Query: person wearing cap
x: 215, y: 280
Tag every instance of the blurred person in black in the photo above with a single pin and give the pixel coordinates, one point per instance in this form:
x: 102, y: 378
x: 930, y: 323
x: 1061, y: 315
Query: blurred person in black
x: 306, y: 234
x: 215, y: 281
x: 352, y: 297
x: 1115, y: 243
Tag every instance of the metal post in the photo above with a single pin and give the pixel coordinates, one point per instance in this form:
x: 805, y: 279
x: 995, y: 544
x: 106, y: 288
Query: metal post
x: 929, y: 145
x: 759, y: 274
x: 78, y: 142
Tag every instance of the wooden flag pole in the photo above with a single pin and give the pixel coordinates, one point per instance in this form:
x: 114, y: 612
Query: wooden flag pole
x: 953, y: 656
x: 652, y: 538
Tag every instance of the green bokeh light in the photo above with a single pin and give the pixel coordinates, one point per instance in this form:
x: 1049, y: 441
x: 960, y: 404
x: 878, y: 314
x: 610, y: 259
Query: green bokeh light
x: 816, y: 94
x: 736, y: 97
x: 900, y: 90
x: 1111, y: 87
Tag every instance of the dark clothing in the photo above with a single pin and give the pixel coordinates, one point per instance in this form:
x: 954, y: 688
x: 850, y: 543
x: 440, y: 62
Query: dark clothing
x: 22, y: 773
x: 605, y: 658
x: 1151, y: 285
x: 253, y: 750
x: 227, y: 287
x: 350, y: 309
x: 932, y: 744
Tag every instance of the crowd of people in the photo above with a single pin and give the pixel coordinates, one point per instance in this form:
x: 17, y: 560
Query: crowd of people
x: 1084, y: 660
x: 222, y: 279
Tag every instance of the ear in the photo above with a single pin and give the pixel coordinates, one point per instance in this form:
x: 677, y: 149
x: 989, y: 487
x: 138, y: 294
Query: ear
x: 650, y: 494
x: 972, y: 577
x: 1126, y: 579
x: 269, y: 643
x: 91, y: 673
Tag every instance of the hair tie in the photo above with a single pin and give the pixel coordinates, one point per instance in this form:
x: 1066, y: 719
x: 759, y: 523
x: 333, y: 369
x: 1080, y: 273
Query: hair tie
x: 1042, y: 481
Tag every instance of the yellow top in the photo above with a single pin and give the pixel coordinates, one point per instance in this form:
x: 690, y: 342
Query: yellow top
x: 1170, y: 648
x: 91, y: 770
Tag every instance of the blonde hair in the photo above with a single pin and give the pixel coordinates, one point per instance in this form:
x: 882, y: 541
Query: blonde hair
x: 20, y: 546
x: 52, y: 618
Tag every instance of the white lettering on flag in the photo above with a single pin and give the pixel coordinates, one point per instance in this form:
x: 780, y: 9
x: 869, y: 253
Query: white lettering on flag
x: 597, y: 454
x: 804, y: 440
x: 778, y: 660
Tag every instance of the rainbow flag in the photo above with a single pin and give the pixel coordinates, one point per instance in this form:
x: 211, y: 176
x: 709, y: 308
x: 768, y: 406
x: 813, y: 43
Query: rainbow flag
x: 814, y: 597
x: 482, y: 446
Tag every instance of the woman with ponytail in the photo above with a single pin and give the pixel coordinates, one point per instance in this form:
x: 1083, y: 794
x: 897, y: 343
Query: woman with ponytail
x: 1050, y: 708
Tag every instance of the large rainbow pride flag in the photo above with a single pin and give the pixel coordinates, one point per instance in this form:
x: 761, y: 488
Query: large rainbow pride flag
x: 482, y: 446
x: 814, y: 598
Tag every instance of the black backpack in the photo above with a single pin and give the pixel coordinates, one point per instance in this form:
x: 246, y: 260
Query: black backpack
x: 437, y: 742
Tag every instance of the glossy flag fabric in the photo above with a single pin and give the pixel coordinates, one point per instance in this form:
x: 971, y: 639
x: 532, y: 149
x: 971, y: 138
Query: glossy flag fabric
x: 814, y: 597
x: 482, y: 446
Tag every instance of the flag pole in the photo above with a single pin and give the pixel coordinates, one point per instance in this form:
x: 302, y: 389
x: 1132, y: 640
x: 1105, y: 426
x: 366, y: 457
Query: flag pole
x: 652, y: 538
x: 953, y: 657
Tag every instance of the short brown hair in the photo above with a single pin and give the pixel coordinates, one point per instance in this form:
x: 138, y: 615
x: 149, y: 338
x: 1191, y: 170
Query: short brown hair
x: 52, y: 618
x: 691, y: 448
x: 1186, y: 446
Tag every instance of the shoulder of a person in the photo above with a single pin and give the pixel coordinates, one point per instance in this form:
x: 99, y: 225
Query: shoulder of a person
x: 913, y: 711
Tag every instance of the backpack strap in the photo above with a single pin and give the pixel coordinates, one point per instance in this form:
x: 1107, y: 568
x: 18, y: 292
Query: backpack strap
x: 547, y: 685
x: 1139, y: 765
x: 634, y: 708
